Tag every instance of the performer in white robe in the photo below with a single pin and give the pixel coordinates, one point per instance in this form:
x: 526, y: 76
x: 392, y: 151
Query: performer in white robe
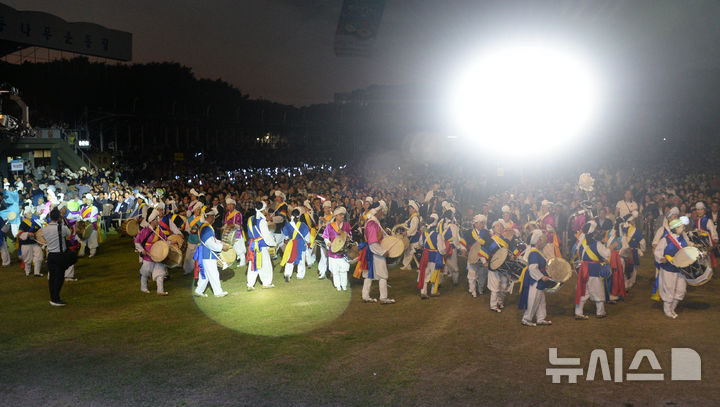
x: 478, y: 273
x: 412, y: 231
x: 207, y: 253
x: 259, y: 239
x: 324, y: 220
x: 534, y: 281
x: 672, y: 284
x: 89, y: 214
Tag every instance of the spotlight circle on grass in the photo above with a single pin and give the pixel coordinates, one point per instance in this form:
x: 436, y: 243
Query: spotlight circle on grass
x: 288, y: 309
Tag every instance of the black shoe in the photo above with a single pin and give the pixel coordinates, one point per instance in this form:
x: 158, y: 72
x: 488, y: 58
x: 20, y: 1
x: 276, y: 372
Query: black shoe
x: 59, y: 303
x: 39, y: 275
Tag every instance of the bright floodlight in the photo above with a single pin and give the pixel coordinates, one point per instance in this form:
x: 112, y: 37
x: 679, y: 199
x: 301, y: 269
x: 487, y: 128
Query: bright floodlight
x: 525, y: 98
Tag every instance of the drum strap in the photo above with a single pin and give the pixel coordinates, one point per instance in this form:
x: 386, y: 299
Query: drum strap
x: 290, y: 253
x: 674, y: 241
x: 428, y: 240
x: 477, y: 237
x: 144, y: 242
x: 501, y: 242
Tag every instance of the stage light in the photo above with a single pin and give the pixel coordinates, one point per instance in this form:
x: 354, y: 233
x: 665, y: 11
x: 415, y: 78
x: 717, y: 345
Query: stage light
x: 524, y: 98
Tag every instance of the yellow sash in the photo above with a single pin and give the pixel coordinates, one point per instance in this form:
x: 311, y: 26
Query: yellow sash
x: 480, y: 240
x: 230, y: 215
x: 589, y: 252
x: 194, y: 221
x: 86, y: 212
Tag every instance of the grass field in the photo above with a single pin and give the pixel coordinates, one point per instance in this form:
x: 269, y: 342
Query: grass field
x: 115, y: 346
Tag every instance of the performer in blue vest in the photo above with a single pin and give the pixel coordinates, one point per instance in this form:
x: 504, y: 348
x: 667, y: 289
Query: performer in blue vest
x: 671, y: 283
x: 451, y: 234
x: 297, y: 234
x: 499, y: 282
x: 632, y: 239
x: 259, y: 239
x: 593, y: 274
x: 706, y: 228
x: 412, y: 231
x: 431, y: 263
x: 28, y: 248
x: 478, y: 273
x: 206, y: 256
x: 533, y: 281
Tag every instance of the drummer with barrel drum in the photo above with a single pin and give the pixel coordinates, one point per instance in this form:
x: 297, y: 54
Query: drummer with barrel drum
x: 499, y: 281
x: 378, y: 245
x: 534, y: 280
x: 233, y: 231
x: 337, y: 236
x: 89, y: 234
x: 144, y: 242
x: 680, y: 265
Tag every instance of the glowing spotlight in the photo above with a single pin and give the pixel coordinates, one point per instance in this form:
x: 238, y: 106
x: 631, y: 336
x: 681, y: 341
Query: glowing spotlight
x: 525, y: 98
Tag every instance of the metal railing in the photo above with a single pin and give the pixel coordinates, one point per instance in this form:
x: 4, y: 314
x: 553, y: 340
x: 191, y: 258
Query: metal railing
x: 84, y: 157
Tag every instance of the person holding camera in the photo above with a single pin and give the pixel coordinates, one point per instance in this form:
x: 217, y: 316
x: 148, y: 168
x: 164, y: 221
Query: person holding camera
x: 59, y: 259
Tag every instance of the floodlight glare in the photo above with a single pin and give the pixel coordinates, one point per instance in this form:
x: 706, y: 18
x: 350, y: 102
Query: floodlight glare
x: 524, y: 98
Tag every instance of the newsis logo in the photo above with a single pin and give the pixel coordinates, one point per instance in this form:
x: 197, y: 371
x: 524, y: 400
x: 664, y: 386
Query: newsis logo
x: 685, y: 365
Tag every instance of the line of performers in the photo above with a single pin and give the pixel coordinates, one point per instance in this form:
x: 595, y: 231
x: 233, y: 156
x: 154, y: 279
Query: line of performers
x: 290, y: 235
x: 606, y: 254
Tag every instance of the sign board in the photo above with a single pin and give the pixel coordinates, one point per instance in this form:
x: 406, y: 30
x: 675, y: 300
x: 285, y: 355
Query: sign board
x: 358, y: 27
x: 49, y: 133
x: 38, y: 29
x: 179, y: 157
x: 17, y: 165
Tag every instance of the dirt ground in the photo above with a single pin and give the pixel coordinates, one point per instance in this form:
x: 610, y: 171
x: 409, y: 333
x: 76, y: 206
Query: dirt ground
x: 115, y: 346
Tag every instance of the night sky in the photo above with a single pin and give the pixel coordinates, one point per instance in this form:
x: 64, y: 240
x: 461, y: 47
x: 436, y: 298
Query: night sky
x: 659, y: 53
